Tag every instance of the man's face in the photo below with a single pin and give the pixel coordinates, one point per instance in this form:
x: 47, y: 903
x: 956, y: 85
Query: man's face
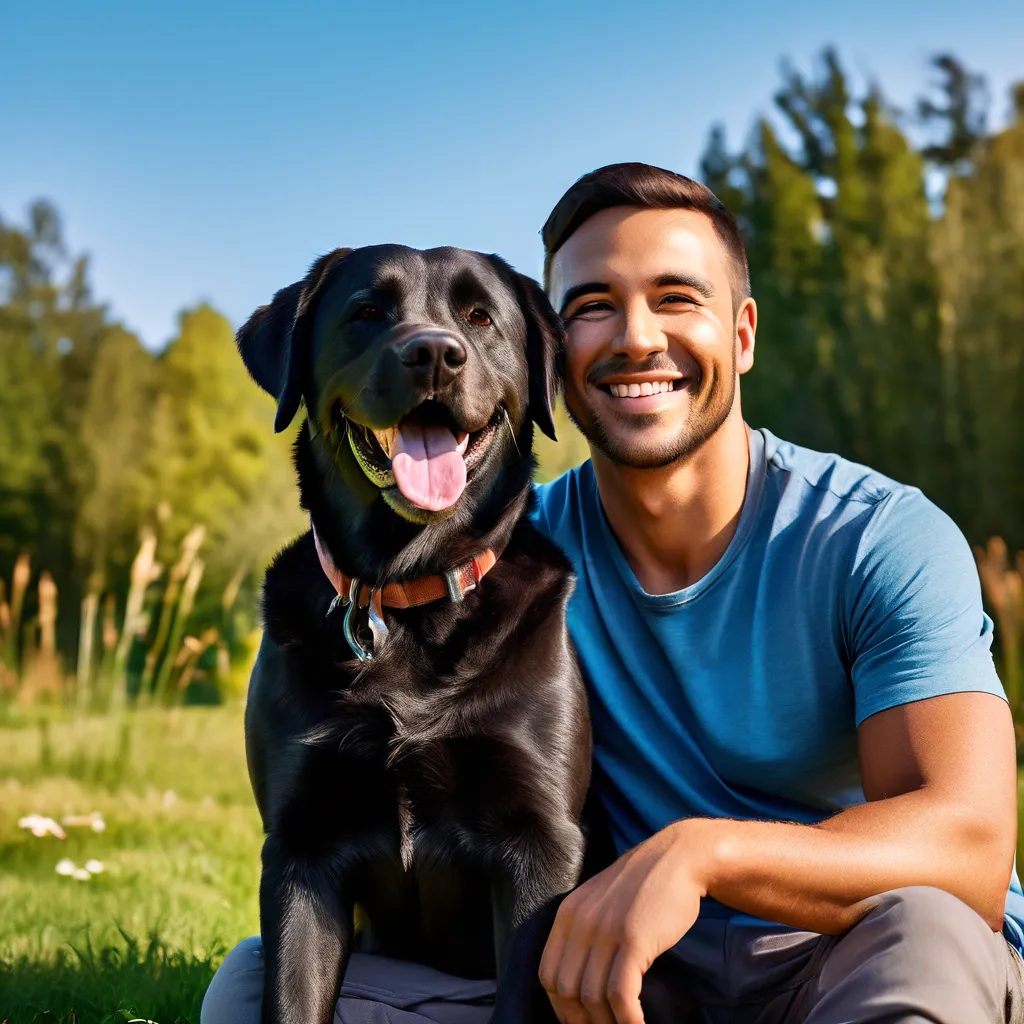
x: 653, y: 347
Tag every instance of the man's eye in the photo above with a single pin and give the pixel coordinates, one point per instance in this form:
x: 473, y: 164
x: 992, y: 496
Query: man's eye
x: 588, y: 308
x: 479, y: 317
x: 369, y: 312
x: 678, y: 300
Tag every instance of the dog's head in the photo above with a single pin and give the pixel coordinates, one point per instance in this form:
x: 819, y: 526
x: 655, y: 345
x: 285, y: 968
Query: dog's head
x: 422, y: 372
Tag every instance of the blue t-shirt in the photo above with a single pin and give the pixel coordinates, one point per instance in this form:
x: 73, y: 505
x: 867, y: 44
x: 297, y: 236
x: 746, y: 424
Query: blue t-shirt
x: 841, y: 594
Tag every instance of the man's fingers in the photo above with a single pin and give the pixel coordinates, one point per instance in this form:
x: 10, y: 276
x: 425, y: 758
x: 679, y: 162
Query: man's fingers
x: 553, y: 961
x: 594, y: 983
x: 551, y: 958
x: 624, y: 982
x: 575, y: 954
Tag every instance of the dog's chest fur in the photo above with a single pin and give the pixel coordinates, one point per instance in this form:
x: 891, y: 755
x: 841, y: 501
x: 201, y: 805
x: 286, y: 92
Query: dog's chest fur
x: 409, y: 741
x: 415, y: 728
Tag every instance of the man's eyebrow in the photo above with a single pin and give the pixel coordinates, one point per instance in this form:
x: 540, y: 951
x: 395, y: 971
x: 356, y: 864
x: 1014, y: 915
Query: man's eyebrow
x: 698, y: 284
x: 582, y: 289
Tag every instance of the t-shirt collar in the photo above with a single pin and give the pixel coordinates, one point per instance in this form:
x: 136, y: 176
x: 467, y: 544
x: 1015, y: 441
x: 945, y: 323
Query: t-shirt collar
x: 748, y: 515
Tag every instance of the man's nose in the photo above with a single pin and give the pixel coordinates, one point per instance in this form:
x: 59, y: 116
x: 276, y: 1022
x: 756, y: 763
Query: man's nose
x: 641, y: 335
x: 434, y: 357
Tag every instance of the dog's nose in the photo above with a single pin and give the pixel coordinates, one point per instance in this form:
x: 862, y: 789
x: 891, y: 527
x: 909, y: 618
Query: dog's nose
x: 438, y: 355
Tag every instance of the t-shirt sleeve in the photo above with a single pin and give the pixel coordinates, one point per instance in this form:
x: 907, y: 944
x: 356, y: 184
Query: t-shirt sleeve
x: 915, y: 623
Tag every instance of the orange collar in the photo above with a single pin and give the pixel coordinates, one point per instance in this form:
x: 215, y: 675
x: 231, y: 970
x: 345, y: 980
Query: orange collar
x: 454, y: 584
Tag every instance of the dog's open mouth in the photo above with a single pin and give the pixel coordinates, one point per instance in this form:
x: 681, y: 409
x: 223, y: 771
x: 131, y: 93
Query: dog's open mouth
x: 426, y: 455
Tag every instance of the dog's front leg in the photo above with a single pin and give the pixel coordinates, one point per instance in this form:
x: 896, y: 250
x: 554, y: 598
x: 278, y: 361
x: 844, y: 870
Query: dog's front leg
x: 307, y: 926
x: 525, y: 906
x: 520, y: 998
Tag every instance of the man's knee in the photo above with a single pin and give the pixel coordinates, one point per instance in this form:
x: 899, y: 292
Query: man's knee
x: 922, y: 940
x: 926, y: 919
x: 918, y: 954
x: 236, y: 993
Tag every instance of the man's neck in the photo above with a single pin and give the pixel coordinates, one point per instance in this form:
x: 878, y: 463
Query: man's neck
x: 673, y: 524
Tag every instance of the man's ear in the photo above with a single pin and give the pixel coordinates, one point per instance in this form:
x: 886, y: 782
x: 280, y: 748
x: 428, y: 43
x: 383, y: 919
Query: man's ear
x: 274, y: 341
x: 545, y: 338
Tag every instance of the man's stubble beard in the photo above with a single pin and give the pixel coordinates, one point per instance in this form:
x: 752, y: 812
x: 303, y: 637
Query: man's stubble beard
x: 700, y: 425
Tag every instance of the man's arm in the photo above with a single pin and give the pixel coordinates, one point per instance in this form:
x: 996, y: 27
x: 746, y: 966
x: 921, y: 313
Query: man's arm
x: 940, y: 779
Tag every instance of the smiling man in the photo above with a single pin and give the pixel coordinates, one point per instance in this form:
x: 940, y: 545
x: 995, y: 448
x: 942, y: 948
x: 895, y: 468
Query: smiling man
x: 801, y: 743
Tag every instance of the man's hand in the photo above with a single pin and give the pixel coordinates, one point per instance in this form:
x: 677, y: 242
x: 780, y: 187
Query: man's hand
x: 610, y: 930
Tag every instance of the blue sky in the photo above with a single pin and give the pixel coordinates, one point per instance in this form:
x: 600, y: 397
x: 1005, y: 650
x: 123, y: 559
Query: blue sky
x: 212, y: 150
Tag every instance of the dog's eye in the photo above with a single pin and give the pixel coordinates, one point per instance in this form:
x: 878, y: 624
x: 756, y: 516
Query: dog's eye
x: 368, y: 312
x: 479, y: 317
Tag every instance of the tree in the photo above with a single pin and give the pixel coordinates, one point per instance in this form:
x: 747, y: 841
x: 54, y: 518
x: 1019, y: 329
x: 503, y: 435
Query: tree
x: 838, y: 230
x: 213, y: 457
x: 114, y: 433
x: 979, y: 250
x: 50, y: 330
x: 959, y: 115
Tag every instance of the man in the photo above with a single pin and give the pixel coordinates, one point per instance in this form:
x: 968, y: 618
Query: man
x: 796, y: 715
x: 801, y: 743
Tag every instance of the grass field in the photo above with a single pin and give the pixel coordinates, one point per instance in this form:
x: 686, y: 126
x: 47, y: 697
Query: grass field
x: 180, y: 855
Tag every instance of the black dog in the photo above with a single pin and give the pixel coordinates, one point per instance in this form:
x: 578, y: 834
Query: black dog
x: 416, y: 727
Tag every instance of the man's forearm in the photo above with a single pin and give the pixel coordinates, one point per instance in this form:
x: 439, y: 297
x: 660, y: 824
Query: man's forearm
x: 818, y: 876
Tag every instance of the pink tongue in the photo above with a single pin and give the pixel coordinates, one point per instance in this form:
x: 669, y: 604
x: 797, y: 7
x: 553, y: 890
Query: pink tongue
x: 428, y: 467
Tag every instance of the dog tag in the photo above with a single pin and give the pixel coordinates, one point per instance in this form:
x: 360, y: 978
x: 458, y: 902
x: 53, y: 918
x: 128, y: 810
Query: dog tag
x: 349, y: 624
x: 378, y: 627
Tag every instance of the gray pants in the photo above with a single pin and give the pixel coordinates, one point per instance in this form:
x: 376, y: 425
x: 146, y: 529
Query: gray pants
x: 919, y: 955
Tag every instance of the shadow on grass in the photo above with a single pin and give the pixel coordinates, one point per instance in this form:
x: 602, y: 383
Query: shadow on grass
x: 136, y: 981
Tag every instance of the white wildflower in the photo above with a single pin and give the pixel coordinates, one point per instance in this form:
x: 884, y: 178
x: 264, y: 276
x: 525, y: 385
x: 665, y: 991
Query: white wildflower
x: 94, y: 867
x: 81, y: 875
x: 65, y: 866
x: 39, y: 826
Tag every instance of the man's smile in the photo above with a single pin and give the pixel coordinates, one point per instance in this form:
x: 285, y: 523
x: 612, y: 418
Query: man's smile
x: 643, y: 392
x: 636, y: 390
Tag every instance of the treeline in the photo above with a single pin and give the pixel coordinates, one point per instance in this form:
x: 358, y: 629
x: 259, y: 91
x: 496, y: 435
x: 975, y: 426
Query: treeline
x: 102, y: 440
x: 887, y: 257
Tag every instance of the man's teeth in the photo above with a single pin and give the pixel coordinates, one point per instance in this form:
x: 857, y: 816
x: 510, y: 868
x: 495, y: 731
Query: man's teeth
x: 656, y: 387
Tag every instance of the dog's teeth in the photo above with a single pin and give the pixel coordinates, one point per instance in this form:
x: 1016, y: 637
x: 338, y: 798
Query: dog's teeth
x: 386, y: 439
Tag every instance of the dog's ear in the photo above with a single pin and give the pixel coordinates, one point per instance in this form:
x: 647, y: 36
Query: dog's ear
x: 273, y: 342
x: 545, y: 337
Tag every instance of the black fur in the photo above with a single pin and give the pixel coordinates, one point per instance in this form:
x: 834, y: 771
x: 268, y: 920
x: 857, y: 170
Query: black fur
x: 465, y: 742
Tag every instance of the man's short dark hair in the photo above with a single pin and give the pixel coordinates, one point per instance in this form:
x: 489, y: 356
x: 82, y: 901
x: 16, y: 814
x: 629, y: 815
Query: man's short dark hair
x: 647, y: 188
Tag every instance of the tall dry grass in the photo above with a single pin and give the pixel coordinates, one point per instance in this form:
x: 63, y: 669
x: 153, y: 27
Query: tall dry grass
x: 155, y: 617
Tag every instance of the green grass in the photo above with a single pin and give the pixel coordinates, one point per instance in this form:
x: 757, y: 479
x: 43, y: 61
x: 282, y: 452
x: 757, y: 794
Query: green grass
x: 181, y: 865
